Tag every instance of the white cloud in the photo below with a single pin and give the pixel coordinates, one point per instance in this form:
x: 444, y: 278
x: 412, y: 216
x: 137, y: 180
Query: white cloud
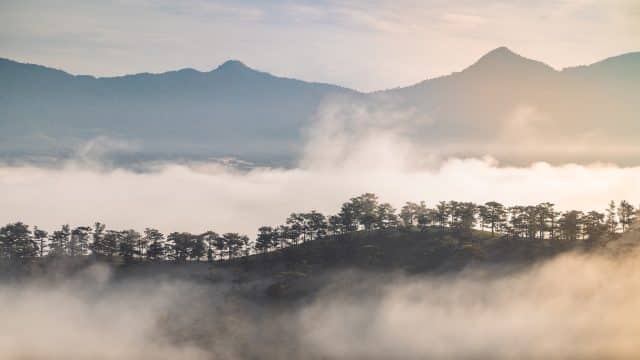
x: 351, y: 150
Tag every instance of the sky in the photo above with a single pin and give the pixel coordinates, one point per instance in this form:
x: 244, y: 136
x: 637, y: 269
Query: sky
x: 366, y: 45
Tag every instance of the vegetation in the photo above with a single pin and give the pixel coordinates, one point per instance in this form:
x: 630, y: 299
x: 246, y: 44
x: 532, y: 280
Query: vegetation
x: 363, y: 214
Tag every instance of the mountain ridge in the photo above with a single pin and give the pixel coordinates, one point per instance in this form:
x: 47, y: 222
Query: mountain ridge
x: 231, y: 65
x: 498, y: 55
x: 235, y: 110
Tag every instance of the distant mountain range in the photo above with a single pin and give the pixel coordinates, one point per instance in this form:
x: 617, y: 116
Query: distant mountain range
x: 504, y: 105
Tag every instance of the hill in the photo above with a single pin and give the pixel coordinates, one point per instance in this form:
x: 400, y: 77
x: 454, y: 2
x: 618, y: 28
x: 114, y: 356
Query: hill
x: 297, y: 272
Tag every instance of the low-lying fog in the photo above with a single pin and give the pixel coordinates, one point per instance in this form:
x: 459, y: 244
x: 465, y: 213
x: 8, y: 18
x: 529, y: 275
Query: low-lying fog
x: 350, y: 150
x: 571, y: 307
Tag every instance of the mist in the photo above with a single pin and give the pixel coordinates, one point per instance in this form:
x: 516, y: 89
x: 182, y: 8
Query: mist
x: 572, y: 306
x: 350, y: 149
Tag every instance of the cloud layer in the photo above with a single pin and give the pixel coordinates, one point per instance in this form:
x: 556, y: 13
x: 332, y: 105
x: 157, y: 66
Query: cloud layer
x: 350, y: 149
x: 573, y: 306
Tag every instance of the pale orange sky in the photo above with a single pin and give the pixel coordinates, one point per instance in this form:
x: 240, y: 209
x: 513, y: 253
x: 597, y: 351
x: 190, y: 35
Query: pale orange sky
x: 367, y: 45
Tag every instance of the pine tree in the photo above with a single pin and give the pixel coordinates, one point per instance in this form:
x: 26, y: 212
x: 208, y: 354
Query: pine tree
x: 155, y: 239
x: 40, y: 237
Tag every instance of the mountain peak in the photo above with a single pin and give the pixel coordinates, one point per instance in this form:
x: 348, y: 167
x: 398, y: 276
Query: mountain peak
x: 503, y: 58
x: 502, y: 50
x: 499, y: 54
x: 233, y: 65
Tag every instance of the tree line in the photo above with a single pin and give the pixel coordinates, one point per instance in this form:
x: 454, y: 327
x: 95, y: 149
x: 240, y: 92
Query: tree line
x: 20, y: 244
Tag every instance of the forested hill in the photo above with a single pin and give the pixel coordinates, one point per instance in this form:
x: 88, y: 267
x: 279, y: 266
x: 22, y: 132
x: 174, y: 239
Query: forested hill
x: 298, y: 272
x: 365, y: 234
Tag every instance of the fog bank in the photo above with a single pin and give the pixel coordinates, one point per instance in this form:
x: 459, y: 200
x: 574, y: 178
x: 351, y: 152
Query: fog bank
x: 574, y: 306
x: 212, y: 196
x: 350, y: 149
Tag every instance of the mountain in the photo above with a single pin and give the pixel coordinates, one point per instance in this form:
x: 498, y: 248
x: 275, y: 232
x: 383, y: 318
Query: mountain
x: 624, y: 68
x: 232, y: 110
x: 469, y: 103
x: 519, y: 110
x: 504, y: 105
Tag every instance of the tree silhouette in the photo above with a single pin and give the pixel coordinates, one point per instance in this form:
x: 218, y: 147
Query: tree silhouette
x: 127, y: 246
x: 266, y: 239
x: 594, y: 227
x: 197, y: 248
x: 494, y: 215
x: 409, y: 214
x: 626, y: 214
x: 209, y: 238
x: 155, y: 239
x: 425, y: 216
x: 296, y: 224
x: 79, y: 242
x: 360, y: 213
x: 98, y: 236
x: 59, y: 241
x: 464, y: 215
x: 385, y: 217
x: 17, y: 243
x: 611, y: 221
x: 315, y: 225
x: 179, y: 246
x: 111, y: 242
x: 545, y: 219
x: 336, y: 225
x: 366, y: 206
x: 442, y: 214
x: 40, y: 237
x: 570, y: 225
x: 233, y: 243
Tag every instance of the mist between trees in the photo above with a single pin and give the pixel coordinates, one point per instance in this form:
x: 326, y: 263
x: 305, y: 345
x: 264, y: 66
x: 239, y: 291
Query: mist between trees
x: 20, y: 244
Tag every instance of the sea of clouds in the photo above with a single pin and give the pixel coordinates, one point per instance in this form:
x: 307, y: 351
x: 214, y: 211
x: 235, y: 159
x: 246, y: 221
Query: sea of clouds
x: 350, y: 149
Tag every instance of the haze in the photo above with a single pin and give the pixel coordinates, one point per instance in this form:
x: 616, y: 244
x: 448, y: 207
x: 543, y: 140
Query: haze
x: 364, y: 151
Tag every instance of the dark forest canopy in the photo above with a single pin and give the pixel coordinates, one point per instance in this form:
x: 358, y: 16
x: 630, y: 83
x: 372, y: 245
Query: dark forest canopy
x: 364, y: 213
